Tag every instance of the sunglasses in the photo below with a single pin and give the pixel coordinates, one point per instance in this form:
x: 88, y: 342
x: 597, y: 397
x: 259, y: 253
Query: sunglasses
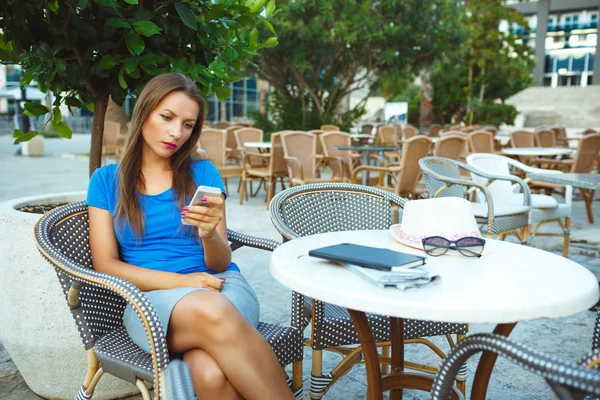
x: 468, y: 246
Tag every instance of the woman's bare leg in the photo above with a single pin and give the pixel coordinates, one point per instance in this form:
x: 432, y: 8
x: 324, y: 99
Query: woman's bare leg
x: 207, y: 320
x: 209, y: 381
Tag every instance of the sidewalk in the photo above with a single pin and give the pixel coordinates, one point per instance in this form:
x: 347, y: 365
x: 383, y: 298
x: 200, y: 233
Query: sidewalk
x: 63, y: 168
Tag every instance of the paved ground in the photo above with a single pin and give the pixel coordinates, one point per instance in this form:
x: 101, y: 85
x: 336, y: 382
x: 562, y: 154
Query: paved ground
x: 64, y: 168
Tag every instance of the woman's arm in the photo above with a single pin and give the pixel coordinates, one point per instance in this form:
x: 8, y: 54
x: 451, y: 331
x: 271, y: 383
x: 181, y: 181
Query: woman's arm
x: 105, y: 258
x: 212, y: 229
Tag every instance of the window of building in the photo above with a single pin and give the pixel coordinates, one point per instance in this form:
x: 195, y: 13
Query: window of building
x: 243, y: 100
x: 594, y: 20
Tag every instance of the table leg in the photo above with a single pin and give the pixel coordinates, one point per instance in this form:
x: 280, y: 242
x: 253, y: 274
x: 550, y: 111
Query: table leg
x: 365, y: 174
x: 397, y: 336
x: 486, y: 364
x: 369, y: 348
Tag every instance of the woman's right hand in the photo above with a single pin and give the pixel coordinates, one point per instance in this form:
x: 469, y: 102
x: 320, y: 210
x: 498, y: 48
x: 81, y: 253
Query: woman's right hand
x: 203, y: 280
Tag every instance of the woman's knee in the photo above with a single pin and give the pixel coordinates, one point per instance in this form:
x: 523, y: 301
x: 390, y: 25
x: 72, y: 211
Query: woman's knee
x: 215, y: 316
x: 207, y: 376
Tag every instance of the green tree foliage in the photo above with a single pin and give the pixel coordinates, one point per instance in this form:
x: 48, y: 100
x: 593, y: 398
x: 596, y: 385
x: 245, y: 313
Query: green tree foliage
x: 488, y: 64
x: 328, y: 49
x: 85, y: 51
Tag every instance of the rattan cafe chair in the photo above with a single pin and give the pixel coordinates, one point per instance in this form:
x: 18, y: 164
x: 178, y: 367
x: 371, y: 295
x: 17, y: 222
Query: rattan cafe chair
x: 442, y: 177
x: 330, y: 207
x: 568, y: 380
x: 212, y: 146
x: 97, y: 302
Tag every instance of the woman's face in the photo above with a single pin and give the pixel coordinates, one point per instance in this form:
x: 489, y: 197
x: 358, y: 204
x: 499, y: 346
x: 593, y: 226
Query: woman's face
x: 169, y: 125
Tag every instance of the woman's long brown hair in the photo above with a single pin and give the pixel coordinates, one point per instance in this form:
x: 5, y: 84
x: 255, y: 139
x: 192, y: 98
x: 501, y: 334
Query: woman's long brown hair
x: 131, y: 179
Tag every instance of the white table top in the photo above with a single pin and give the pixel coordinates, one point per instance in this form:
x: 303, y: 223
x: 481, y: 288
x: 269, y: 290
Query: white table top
x: 537, y: 151
x: 264, y: 145
x: 509, y: 283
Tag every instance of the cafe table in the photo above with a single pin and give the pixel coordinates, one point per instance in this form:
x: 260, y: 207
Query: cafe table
x: 537, y: 151
x: 583, y: 181
x: 508, y: 284
x: 263, y: 147
x: 365, y: 150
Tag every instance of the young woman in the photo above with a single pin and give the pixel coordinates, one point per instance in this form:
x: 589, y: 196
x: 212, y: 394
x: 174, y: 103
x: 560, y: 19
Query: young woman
x: 207, y: 309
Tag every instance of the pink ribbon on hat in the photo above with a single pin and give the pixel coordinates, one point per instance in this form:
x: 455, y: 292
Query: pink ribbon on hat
x: 418, y: 240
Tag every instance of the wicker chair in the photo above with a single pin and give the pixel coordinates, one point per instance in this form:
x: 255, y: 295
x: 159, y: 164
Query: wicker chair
x: 97, y: 302
x: 481, y: 142
x: 232, y: 152
x: 523, y: 139
x: 302, y: 160
x: 330, y: 207
x: 405, y: 174
x: 110, y: 140
x: 387, y: 136
x: 328, y: 127
x: 545, y: 138
x: 583, y: 163
x: 221, y: 125
x: 212, y: 146
x: 176, y: 382
x: 568, y: 380
x: 275, y: 168
x: 442, y: 177
x: 409, y: 131
x: 544, y: 208
x: 434, y: 130
x: 366, y: 128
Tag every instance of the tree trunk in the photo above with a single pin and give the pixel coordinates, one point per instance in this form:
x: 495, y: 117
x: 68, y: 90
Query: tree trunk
x: 469, y: 96
x: 100, y: 106
x: 426, y: 107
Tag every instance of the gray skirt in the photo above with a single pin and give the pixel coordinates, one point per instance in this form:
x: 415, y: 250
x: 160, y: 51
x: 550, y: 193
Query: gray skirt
x: 235, y: 288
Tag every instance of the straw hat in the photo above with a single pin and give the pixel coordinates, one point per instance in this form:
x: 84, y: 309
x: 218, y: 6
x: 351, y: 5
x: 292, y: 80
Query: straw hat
x: 449, y: 217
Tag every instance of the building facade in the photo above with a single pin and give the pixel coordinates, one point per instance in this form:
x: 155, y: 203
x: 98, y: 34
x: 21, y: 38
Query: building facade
x: 564, y: 34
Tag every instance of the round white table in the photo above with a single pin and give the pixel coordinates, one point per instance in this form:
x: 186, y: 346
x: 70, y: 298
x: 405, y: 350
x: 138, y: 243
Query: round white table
x: 509, y: 283
x: 537, y: 151
x: 260, y: 145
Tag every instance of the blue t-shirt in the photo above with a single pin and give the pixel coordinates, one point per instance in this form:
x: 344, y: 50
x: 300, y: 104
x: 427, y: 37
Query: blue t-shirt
x: 166, y: 244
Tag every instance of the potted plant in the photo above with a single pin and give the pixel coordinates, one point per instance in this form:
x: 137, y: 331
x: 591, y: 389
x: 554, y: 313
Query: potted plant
x: 85, y: 52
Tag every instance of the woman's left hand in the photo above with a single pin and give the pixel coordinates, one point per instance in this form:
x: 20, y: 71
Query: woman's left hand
x: 205, y: 217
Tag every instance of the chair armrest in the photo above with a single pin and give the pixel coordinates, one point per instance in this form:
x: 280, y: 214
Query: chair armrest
x: 239, y: 240
x: 511, y: 178
x: 557, y: 373
x: 556, y: 163
x: 368, y: 168
x: 294, y: 167
x: 250, y: 154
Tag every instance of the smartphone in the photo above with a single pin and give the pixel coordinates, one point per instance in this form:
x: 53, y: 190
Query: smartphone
x: 202, y: 191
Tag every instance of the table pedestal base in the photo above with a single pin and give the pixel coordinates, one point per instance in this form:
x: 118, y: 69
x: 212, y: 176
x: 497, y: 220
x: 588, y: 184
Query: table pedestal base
x: 398, y: 380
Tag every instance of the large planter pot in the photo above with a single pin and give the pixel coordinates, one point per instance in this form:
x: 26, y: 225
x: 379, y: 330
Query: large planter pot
x: 33, y: 147
x: 36, y: 326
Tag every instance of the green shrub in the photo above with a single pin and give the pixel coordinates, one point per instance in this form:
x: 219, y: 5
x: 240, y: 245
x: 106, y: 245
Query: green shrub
x: 489, y: 113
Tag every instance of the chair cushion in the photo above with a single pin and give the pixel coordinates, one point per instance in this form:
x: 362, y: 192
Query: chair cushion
x: 537, y: 200
x: 500, y: 209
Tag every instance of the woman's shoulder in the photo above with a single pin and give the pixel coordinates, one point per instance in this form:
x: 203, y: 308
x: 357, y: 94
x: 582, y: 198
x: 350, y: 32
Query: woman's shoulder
x: 106, y: 173
x: 200, y: 165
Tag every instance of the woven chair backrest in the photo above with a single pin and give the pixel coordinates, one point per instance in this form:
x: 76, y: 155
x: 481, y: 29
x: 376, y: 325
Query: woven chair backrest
x: 490, y: 128
x: 212, y: 141
x: 221, y: 125
x: 587, y: 132
x: 587, y: 153
x: 331, y: 139
x: 243, y: 135
x: 318, y: 132
x: 277, y: 164
x: 446, y: 168
x: 545, y: 138
x: 302, y: 146
x: 522, y: 139
x: 112, y: 130
x: 434, y: 130
x: 450, y: 146
x: 366, y: 128
x: 386, y: 136
x: 409, y: 131
x: 231, y: 142
x: 67, y: 231
x: 497, y: 165
x: 413, y: 150
x: 329, y: 127
x: 453, y: 132
x: 481, y: 141
x: 332, y: 207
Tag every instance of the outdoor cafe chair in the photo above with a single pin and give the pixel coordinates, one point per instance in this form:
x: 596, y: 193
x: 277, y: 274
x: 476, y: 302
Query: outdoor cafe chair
x: 275, y: 168
x: 366, y: 128
x: 331, y: 207
x: 110, y: 140
x: 406, y: 174
x: 97, y: 302
x: 232, y: 152
x: 544, y: 208
x: 481, y: 141
x: 545, y: 138
x: 244, y: 135
x: 568, y: 380
x: 212, y: 145
x: 387, y: 136
x: 587, y: 153
x: 443, y: 179
x: 523, y: 139
x: 329, y: 127
x: 409, y: 131
x: 300, y: 154
x: 221, y: 125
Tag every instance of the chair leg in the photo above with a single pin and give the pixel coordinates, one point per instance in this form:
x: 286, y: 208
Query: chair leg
x: 226, y: 188
x: 297, y: 379
x: 318, y: 382
x: 143, y: 389
x: 385, y: 352
x: 270, y: 190
x: 239, y: 185
x: 94, y: 373
x: 566, y: 237
x: 587, y: 198
x: 243, y: 183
